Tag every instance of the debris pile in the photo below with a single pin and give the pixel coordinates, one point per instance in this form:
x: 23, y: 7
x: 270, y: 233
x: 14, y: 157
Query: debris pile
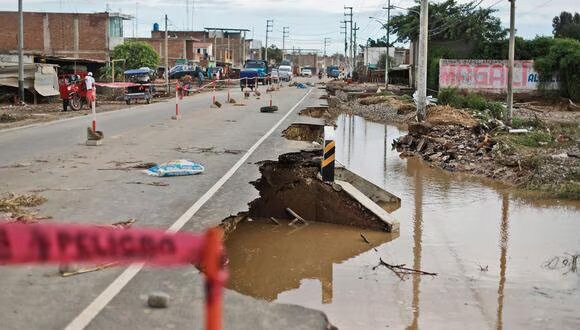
x: 446, y: 115
x: 14, y: 205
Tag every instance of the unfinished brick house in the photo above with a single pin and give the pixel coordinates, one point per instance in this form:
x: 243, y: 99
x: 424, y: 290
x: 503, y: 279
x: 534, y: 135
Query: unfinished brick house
x: 225, y: 46
x: 63, y: 35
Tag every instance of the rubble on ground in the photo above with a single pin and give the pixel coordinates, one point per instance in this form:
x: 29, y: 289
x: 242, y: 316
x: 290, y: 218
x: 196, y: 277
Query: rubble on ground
x: 542, y: 156
x: 15, y: 206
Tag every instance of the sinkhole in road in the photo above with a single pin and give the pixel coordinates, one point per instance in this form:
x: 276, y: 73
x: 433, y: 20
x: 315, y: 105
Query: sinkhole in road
x: 271, y: 252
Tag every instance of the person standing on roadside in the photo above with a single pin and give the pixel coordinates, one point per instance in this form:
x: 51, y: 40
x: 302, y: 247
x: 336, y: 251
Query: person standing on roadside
x: 90, y: 85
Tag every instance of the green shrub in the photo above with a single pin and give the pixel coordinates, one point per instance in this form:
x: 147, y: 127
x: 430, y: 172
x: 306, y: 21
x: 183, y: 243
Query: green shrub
x: 434, y: 55
x: 448, y: 96
x: 473, y: 101
x: 407, y: 98
x: 563, y: 60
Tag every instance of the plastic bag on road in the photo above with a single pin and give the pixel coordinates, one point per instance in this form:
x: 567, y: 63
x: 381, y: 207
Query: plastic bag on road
x: 176, y: 168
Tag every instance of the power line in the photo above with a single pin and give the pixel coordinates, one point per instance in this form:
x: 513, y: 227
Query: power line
x: 349, y: 14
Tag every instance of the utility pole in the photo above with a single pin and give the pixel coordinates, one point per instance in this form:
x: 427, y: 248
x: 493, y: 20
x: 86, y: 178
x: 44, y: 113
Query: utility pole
x: 269, y: 28
x: 244, y: 55
x: 229, y: 50
x: 511, y: 55
x: 345, y: 40
x: 326, y: 42
x: 285, y: 34
x: 422, y: 59
x: 166, y: 58
x: 20, y: 53
x: 355, y: 46
x: 388, y: 44
x: 349, y: 21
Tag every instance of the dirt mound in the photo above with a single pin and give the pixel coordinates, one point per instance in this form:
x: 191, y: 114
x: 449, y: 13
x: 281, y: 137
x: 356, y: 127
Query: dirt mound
x: 375, y: 100
x: 315, y: 112
x: 446, y: 115
x: 401, y: 106
x: 304, y: 132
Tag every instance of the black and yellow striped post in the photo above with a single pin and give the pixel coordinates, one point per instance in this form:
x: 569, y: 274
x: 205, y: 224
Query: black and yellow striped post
x: 328, y: 159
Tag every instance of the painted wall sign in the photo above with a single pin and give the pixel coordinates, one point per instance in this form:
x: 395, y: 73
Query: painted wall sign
x: 488, y: 75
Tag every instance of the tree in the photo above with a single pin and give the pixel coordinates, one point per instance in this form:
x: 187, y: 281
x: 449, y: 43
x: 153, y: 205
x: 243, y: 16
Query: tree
x: 449, y: 20
x: 382, y: 59
x: 137, y: 54
x: 274, y: 53
x: 567, y: 25
x: 562, y: 60
x: 380, y: 42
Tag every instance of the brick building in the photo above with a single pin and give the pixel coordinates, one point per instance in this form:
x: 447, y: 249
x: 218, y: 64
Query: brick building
x: 225, y: 46
x: 304, y: 59
x: 63, y: 35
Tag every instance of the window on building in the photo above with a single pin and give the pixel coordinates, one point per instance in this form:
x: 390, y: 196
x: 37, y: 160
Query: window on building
x: 115, y: 27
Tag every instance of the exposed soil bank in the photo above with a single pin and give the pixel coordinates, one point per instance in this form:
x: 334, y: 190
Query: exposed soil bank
x: 291, y: 182
x: 315, y: 112
x: 304, y: 132
x: 545, y: 159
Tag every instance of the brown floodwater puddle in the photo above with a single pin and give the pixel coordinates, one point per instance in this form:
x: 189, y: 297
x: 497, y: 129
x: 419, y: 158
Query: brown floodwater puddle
x: 281, y: 256
x: 504, y: 258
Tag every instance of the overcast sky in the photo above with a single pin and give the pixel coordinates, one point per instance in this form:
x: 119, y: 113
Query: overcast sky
x: 310, y: 21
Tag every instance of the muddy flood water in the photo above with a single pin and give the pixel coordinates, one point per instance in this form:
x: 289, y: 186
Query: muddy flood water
x: 504, y: 259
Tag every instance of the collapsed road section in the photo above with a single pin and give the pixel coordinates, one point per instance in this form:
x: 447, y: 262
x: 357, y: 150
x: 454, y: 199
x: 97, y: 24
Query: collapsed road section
x: 290, y: 188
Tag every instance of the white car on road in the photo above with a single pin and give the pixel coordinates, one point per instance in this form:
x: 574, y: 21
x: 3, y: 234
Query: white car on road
x: 285, y: 72
x: 306, y: 73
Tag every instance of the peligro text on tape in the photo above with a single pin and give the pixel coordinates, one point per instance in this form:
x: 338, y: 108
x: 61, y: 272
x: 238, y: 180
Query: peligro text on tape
x: 58, y: 243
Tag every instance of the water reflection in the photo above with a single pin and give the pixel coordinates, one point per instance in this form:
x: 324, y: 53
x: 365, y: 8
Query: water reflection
x: 266, y: 260
x: 503, y: 244
x: 417, y: 245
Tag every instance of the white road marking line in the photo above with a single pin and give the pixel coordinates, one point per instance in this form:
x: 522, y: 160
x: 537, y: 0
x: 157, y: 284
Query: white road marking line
x: 97, y: 305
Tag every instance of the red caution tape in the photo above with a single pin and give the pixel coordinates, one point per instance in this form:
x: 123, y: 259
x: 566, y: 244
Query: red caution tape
x: 58, y: 243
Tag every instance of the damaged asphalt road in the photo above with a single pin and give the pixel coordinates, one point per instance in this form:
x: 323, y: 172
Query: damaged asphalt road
x: 130, y: 137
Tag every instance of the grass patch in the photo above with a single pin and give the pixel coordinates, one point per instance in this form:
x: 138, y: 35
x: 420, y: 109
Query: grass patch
x: 569, y: 189
x: 534, y: 139
x: 520, y: 122
x: 407, y: 98
x: 452, y: 97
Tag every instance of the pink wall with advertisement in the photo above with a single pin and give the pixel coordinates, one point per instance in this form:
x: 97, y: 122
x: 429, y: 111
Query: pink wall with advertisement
x: 488, y: 75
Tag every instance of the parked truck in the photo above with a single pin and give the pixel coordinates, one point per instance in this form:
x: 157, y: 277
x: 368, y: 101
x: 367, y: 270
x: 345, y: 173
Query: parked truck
x: 254, y: 71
